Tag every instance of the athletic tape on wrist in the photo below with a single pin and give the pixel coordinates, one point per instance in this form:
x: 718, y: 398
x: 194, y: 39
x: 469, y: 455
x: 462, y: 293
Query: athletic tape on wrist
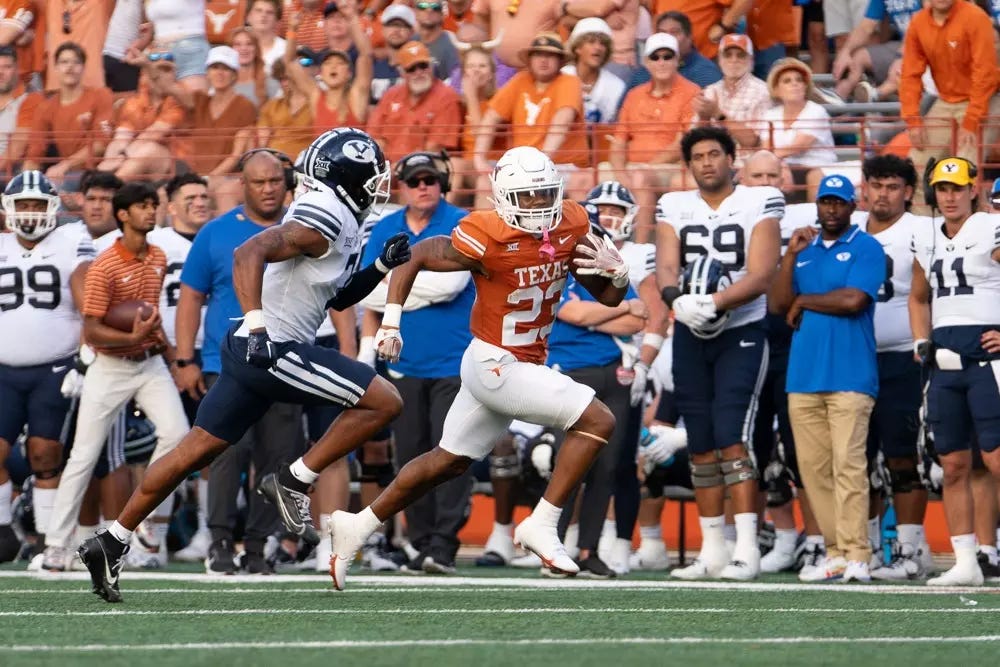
x: 254, y: 319
x: 393, y: 313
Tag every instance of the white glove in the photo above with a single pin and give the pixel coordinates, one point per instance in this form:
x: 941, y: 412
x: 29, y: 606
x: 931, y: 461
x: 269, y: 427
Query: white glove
x: 541, y: 458
x: 366, y: 351
x: 936, y: 475
x: 72, y: 384
x: 605, y: 261
x: 666, y: 442
x: 694, y: 310
x: 388, y: 343
x: 639, y: 383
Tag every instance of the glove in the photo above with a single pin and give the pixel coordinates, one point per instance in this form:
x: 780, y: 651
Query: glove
x: 388, y: 343
x: 541, y: 456
x: 663, y: 443
x: 261, y: 352
x: 694, y: 310
x: 605, y: 261
x: 923, y: 351
x: 395, y: 252
x: 72, y: 384
x: 638, y: 390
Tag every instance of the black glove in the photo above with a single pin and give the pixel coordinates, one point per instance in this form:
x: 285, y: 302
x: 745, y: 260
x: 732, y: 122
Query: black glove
x: 395, y: 252
x: 261, y: 352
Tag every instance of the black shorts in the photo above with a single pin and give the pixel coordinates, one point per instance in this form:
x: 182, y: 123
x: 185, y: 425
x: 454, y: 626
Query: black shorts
x: 32, y: 396
x: 305, y: 374
x: 895, y: 420
x: 965, y: 404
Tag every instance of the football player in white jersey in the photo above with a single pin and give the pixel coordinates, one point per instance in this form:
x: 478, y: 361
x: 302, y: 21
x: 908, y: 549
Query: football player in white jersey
x: 954, y: 312
x: 613, y: 206
x: 895, y: 420
x: 42, y: 270
x: 720, y: 342
x: 285, y: 278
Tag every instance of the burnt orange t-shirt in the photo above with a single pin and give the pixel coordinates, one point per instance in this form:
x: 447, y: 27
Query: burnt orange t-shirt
x: 703, y: 14
x: 649, y: 125
x: 88, y: 27
x: 310, y: 31
x: 519, y: 280
x: 210, y: 148
x: 402, y: 127
x: 117, y: 276
x: 138, y: 112
x: 530, y: 111
x: 772, y: 22
x: 71, y: 126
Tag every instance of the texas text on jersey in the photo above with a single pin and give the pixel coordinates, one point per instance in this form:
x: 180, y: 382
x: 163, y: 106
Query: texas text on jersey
x: 723, y: 233
x: 516, y: 303
x: 39, y: 322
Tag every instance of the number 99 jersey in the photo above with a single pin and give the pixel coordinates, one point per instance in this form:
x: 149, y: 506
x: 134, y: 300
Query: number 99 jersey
x: 723, y: 234
x: 39, y: 322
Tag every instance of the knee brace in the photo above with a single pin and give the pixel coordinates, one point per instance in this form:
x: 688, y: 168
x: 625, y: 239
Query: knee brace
x: 704, y: 475
x: 738, y: 470
x: 905, y: 480
x: 380, y: 473
x: 505, y: 466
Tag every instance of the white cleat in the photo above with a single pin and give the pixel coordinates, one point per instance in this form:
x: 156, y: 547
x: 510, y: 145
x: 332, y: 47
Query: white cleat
x: 743, y: 567
x: 858, y: 571
x: 775, y: 561
x: 703, y: 567
x: 907, y: 563
x: 346, y: 539
x: 544, y: 542
x: 529, y: 561
x: 959, y: 575
x: 501, y: 546
x: 197, y: 549
x: 650, y: 556
x: 618, y: 559
x: 830, y: 569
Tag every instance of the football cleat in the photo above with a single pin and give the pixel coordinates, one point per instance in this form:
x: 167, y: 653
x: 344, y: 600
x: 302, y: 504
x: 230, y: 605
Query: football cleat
x: 498, y: 552
x: 221, y: 558
x: 55, y: 559
x: 255, y: 563
x: 197, y: 549
x: 528, y: 561
x: 991, y: 571
x: 293, y: 507
x: 858, y: 571
x: 705, y: 566
x: 544, y: 542
x: 907, y: 563
x: 618, y: 560
x: 743, y: 567
x: 651, y: 555
x: 830, y: 569
x: 438, y: 565
x: 777, y: 560
x: 347, y: 537
x: 966, y: 574
x: 104, y: 557
x: 811, y: 557
x: 373, y: 556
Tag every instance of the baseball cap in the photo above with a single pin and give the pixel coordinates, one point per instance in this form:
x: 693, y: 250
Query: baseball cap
x: 952, y: 170
x: 995, y: 194
x: 660, y: 40
x: 412, y: 53
x: 224, y: 55
x: 330, y: 8
x: 399, y: 13
x: 735, y: 41
x: 417, y: 163
x: 836, y: 186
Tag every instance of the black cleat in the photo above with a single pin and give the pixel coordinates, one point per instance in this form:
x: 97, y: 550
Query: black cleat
x: 255, y: 563
x: 293, y: 507
x: 104, y: 557
x: 221, y: 559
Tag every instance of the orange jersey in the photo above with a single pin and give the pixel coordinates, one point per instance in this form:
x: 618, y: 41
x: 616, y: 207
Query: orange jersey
x: 516, y: 300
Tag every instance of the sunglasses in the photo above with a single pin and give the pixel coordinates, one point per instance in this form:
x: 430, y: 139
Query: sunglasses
x: 67, y: 26
x: 656, y: 57
x: 435, y: 6
x: 307, y: 62
x: 415, y: 181
x: 417, y: 68
x: 165, y: 56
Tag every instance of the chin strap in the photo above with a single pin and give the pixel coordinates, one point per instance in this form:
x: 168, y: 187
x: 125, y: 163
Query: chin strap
x: 546, y: 248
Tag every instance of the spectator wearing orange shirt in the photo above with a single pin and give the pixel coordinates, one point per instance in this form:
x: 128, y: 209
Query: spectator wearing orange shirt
x: 82, y: 22
x: 286, y: 122
x: 646, y: 150
x: 76, y: 120
x: 310, y: 32
x: 772, y: 26
x: 544, y: 108
x: 140, y: 148
x: 458, y: 12
x: 966, y: 78
x: 18, y: 109
x: 419, y: 114
x: 710, y: 19
x: 18, y: 25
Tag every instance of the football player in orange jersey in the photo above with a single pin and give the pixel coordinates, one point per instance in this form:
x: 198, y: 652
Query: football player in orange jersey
x: 519, y: 256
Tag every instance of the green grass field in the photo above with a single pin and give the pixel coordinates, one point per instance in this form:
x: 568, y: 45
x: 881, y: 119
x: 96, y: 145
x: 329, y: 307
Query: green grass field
x: 476, y: 619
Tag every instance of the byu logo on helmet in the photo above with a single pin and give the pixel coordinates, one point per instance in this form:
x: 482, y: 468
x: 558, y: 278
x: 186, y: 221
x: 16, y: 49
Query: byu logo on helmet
x: 359, y: 151
x: 349, y: 165
x: 704, y: 276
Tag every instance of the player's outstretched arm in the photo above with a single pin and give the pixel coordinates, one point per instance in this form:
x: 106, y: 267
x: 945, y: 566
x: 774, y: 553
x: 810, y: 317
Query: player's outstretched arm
x: 395, y: 252
x: 762, y: 259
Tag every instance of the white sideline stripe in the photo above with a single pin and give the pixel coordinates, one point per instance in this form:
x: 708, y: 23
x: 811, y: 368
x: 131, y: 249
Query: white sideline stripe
x: 525, y: 610
x: 417, y: 643
x: 404, y: 583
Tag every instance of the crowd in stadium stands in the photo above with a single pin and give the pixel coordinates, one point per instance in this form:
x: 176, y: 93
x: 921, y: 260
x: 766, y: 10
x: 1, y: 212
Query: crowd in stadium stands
x: 208, y: 104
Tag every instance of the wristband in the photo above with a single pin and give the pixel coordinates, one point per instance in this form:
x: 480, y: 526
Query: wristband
x: 254, y: 319
x: 380, y: 265
x: 652, y: 340
x: 391, y: 316
x: 668, y: 294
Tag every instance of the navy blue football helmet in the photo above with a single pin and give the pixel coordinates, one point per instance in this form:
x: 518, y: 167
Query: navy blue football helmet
x: 347, y: 163
x: 31, y: 185
x: 614, y: 194
x: 707, y: 275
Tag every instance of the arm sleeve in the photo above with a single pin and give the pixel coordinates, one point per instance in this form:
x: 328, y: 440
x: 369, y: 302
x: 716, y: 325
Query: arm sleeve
x: 126, y: 116
x: 665, y: 206
x: 310, y: 213
x: 868, y: 270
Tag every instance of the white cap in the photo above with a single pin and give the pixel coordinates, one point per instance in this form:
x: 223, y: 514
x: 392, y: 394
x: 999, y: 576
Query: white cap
x: 401, y: 12
x: 589, y: 26
x: 224, y: 55
x: 660, y: 40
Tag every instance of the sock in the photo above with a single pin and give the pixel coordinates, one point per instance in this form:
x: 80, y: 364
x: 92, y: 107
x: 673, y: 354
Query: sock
x: 964, y: 547
x: 713, y: 538
x: 990, y: 551
x: 302, y: 473
x: 368, y: 520
x: 910, y: 533
x: 6, y: 491
x: 746, y: 531
x: 875, y: 533
x: 324, y: 523
x: 83, y: 533
x: 784, y: 540
x: 729, y: 532
x: 572, y: 538
x: 651, y: 533
x: 44, y: 501
x: 202, y: 503
x: 547, y: 514
x: 816, y: 540
x: 120, y: 533
x: 505, y: 530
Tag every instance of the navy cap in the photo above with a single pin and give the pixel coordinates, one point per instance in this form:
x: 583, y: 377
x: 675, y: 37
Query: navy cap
x: 836, y: 186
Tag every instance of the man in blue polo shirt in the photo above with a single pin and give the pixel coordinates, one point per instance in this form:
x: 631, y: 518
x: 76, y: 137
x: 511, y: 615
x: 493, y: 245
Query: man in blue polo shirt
x: 827, y: 287
x: 435, y: 324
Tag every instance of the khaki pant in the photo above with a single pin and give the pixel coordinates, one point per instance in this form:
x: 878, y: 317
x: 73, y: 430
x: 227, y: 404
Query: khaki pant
x: 831, y: 429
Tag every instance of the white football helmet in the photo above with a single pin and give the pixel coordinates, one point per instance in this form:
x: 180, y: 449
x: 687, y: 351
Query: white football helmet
x: 30, y: 185
x: 527, y: 190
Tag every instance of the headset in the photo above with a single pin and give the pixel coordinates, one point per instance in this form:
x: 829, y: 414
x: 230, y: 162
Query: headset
x: 438, y: 161
x: 286, y: 163
x: 929, y: 196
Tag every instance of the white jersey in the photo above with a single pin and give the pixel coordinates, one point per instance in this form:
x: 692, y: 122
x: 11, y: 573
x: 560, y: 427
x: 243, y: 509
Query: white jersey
x: 39, y: 322
x: 295, y: 292
x: 722, y: 233
x: 640, y: 259
x: 892, y: 316
x: 964, y: 279
x: 176, y: 248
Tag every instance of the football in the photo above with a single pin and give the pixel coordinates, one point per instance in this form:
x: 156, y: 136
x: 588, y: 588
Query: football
x: 593, y: 284
x: 580, y: 242
x: 122, y: 315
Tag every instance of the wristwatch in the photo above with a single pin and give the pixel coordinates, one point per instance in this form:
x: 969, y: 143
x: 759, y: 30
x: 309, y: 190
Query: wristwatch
x: 183, y: 363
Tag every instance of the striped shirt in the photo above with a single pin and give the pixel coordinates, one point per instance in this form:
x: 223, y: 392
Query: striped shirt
x: 118, y: 275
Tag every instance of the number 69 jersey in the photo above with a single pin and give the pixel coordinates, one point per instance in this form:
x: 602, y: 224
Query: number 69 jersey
x: 964, y: 279
x: 723, y: 234
x: 39, y: 322
x: 516, y: 301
